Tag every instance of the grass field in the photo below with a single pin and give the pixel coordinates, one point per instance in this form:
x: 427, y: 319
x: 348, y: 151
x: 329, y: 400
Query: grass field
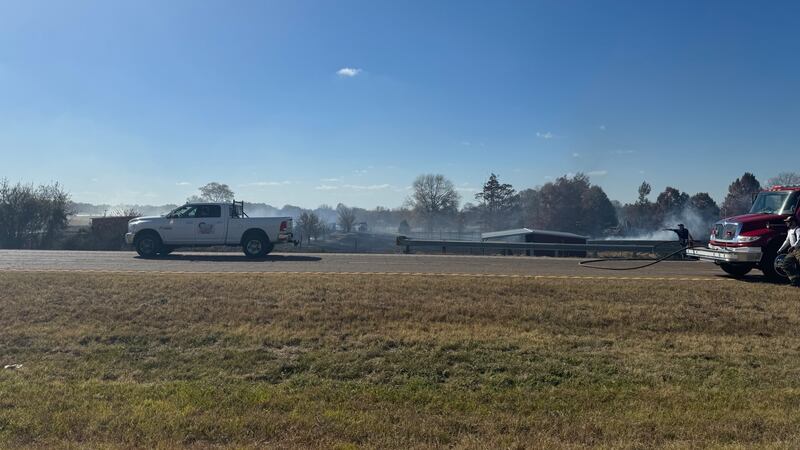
x: 351, y: 361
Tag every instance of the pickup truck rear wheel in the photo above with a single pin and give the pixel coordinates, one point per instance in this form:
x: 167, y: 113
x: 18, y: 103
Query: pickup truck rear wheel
x: 256, y: 245
x: 736, y: 270
x: 148, y: 244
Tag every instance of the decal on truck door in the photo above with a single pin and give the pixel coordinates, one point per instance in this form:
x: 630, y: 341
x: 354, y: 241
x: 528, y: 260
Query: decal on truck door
x: 206, y: 228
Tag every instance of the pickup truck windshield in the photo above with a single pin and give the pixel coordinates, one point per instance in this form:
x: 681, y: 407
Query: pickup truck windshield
x: 774, y: 203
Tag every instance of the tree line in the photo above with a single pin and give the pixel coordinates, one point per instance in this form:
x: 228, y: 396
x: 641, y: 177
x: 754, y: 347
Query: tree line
x: 35, y: 216
x: 569, y: 203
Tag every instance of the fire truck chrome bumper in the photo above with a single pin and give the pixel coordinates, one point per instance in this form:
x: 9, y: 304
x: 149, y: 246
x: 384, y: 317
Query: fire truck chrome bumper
x: 739, y: 255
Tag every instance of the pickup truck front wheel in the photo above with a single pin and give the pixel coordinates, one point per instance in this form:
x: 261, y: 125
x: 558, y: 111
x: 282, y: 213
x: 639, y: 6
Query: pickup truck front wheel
x: 256, y: 245
x: 147, y: 244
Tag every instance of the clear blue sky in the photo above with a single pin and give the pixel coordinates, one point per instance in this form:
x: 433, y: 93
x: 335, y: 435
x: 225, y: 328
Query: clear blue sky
x: 143, y: 101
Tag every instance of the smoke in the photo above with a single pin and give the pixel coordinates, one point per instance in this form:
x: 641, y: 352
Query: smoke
x: 698, y: 226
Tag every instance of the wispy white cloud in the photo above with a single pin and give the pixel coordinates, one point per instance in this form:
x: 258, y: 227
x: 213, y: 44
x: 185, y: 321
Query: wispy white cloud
x: 545, y: 135
x: 265, y: 183
x: 331, y: 180
x: 326, y: 187
x: 348, y: 72
x: 624, y: 152
x: 355, y: 187
x: 597, y: 173
x: 360, y: 171
x: 370, y: 187
x: 467, y: 189
x: 183, y: 183
x: 576, y: 155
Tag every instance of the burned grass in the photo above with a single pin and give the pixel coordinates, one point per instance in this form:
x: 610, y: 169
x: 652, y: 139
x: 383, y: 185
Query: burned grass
x: 395, y: 361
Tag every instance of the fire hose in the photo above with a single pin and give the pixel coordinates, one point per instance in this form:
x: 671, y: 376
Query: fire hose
x: 650, y: 261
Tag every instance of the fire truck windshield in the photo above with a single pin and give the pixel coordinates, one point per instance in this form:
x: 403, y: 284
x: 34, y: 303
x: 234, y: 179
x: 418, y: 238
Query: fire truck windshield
x: 774, y: 203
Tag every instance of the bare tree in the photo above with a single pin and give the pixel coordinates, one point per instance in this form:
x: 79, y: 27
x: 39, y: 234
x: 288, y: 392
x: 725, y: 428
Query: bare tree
x: 346, y: 217
x: 213, y: 192
x: 434, y: 198
x: 125, y: 212
x: 309, y: 225
x: 784, y: 179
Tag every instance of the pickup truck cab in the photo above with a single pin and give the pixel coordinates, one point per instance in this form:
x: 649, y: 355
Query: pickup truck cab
x: 750, y: 241
x: 205, y: 225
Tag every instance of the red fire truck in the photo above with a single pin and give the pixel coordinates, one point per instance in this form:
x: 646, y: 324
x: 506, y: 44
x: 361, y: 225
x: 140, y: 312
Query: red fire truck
x: 740, y: 244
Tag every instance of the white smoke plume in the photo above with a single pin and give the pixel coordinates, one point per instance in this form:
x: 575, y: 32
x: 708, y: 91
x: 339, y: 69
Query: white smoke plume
x: 698, y: 226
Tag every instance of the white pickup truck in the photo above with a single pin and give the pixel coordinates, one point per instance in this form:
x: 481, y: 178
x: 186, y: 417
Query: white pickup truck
x: 208, y: 224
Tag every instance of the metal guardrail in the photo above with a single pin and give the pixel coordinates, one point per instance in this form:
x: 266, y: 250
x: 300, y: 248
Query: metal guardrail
x: 591, y: 246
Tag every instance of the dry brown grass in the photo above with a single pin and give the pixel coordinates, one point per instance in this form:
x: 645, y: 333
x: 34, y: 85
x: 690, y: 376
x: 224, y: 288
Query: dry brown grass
x: 395, y: 361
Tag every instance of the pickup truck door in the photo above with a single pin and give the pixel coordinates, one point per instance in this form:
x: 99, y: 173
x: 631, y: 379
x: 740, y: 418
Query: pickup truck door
x: 180, y: 226
x: 211, y: 224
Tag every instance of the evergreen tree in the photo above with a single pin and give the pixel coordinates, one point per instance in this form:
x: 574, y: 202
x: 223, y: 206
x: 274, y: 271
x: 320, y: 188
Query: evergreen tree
x: 740, y: 195
x: 497, y: 202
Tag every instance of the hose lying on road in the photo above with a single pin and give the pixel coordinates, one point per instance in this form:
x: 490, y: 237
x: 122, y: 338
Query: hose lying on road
x: 650, y: 261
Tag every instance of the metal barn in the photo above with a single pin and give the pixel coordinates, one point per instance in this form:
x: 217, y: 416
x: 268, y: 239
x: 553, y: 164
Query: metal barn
x: 539, y: 236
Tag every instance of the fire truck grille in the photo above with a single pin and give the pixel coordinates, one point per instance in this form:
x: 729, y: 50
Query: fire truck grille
x: 725, y: 231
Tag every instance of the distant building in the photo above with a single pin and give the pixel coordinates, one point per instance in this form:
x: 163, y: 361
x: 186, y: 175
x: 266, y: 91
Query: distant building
x: 539, y: 236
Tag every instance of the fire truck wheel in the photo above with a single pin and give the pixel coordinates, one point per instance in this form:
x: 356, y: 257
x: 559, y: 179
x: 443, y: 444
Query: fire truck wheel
x: 768, y: 264
x: 736, y: 270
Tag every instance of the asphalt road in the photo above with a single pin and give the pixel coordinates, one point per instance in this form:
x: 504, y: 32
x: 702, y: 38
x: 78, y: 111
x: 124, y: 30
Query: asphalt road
x: 27, y: 260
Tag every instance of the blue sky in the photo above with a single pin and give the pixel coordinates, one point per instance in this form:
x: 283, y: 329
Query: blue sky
x: 310, y: 102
